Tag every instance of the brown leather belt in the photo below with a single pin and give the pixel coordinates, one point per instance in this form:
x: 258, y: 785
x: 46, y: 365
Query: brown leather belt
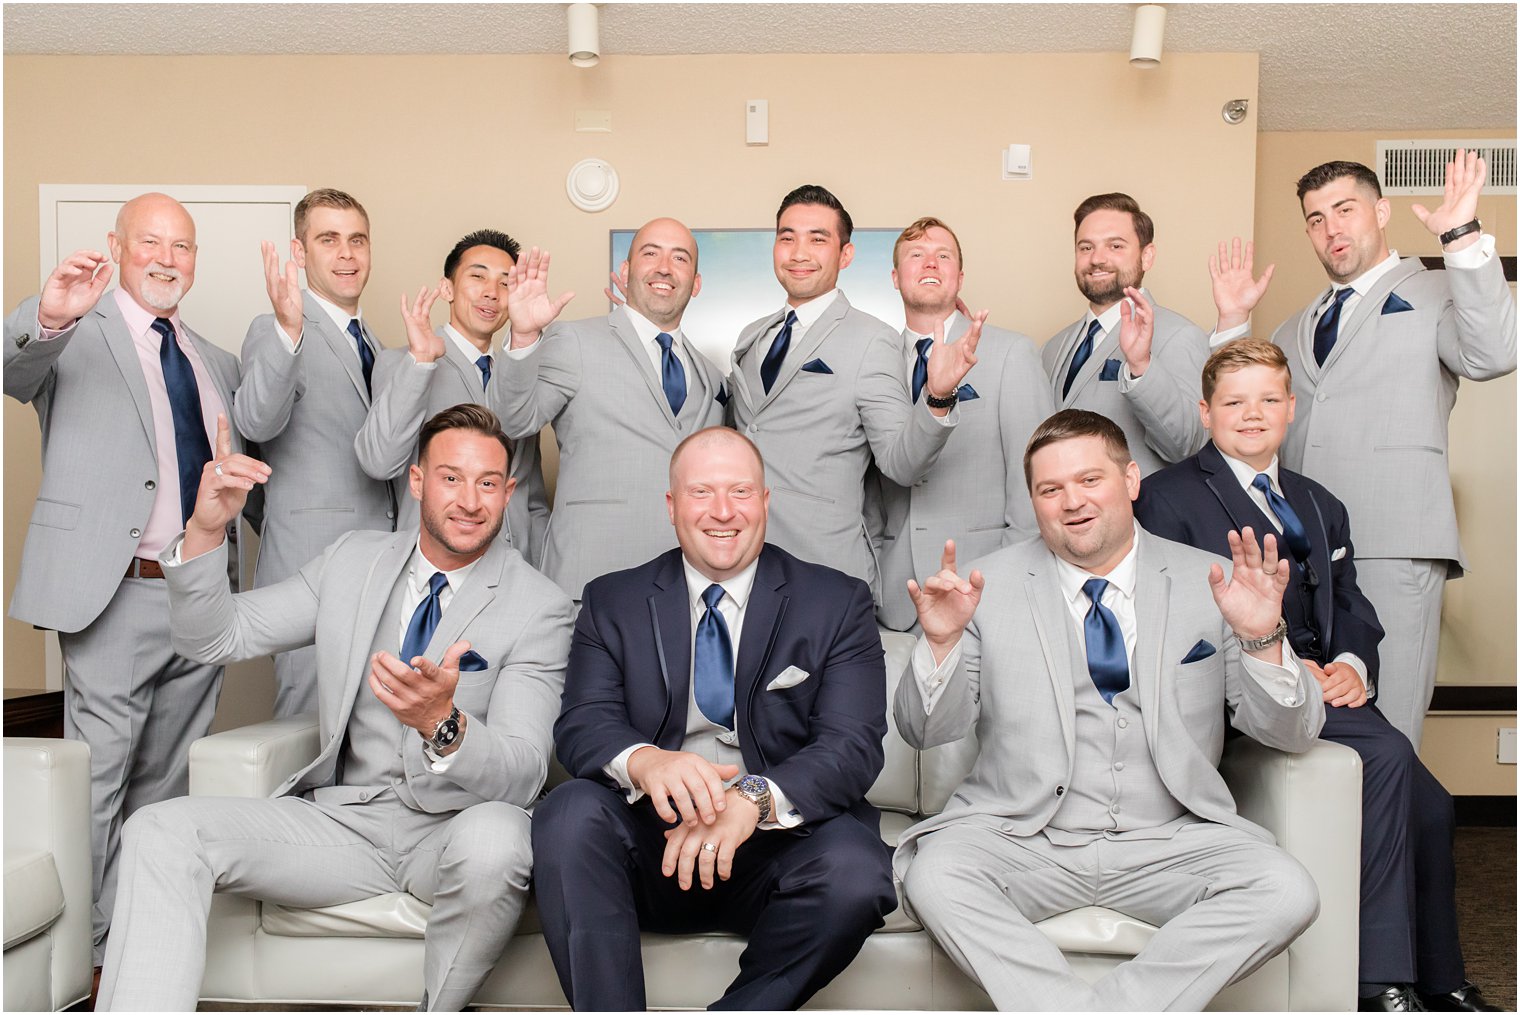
x: 142, y: 567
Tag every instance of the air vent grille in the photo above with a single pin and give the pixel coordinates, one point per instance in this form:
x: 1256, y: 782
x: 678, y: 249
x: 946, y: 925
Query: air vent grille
x: 1419, y: 167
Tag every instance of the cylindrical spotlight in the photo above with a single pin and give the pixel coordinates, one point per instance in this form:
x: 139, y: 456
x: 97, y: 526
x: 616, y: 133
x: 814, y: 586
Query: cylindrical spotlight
x: 1145, y: 44
x: 585, y: 39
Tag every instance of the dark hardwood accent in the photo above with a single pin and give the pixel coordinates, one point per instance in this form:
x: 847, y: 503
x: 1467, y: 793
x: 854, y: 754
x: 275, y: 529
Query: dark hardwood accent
x: 34, y: 715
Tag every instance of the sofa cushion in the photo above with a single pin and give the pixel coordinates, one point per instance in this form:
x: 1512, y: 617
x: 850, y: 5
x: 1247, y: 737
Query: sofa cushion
x: 33, y: 894
x: 896, y: 788
x: 1096, y: 930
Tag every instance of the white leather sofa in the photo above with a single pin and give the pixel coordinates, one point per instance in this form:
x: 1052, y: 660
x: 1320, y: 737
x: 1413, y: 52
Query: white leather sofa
x: 370, y: 952
x: 47, y: 874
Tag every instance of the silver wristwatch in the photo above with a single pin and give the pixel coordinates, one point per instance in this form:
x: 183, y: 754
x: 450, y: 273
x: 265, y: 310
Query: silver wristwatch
x: 1266, y: 641
x: 446, y: 732
x: 758, y: 792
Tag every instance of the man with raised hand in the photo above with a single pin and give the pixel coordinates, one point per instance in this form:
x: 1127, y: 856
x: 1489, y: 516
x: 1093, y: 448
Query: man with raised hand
x: 127, y: 396
x: 1387, y: 333
x: 307, y: 371
x: 440, y: 662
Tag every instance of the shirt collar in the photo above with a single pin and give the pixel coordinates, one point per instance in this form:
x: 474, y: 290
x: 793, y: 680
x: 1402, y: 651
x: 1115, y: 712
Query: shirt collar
x: 340, y: 317
x: 813, y: 309
x: 736, y: 588
x: 648, y: 331
x: 464, y: 345
x: 1364, y: 282
x: 420, y: 572
x: 949, y: 329
x: 1246, y: 474
x: 1122, y: 577
x: 1109, y: 319
x: 139, y: 319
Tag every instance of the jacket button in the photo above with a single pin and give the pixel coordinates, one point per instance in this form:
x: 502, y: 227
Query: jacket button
x: 1060, y: 790
x: 679, y: 425
x: 136, y: 533
x: 754, y: 428
x: 150, y: 485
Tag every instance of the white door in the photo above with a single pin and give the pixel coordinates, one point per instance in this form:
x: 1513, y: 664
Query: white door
x: 230, y: 222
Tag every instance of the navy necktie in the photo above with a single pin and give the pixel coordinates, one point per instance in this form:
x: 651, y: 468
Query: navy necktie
x: 1107, y: 662
x: 485, y: 369
x: 1293, y: 531
x: 713, y: 663
x: 672, y: 374
x: 191, y: 447
x: 1081, y: 356
x: 425, y: 621
x: 771, y: 365
x: 366, y: 355
x: 921, y: 367
x: 1328, y: 328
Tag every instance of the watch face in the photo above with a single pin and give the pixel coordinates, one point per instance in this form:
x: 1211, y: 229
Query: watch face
x: 752, y: 784
x: 448, y: 732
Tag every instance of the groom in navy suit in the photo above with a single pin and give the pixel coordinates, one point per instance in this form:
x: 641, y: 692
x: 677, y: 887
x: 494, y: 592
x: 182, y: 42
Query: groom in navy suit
x: 724, y: 710
x: 1409, y: 941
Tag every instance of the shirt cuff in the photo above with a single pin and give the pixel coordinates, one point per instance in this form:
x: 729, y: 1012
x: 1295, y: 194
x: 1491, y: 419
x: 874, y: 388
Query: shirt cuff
x: 1474, y: 255
x: 931, y: 679
x: 1354, y: 661
x: 172, y: 557
x: 525, y: 351
x: 1127, y: 380
x: 1219, y: 338
x: 1283, y: 681
x: 617, y: 771
x: 285, y: 341
x: 783, y: 814
x: 948, y: 419
x: 439, y: 763
x: 48, y: 334
x: 422, y: 366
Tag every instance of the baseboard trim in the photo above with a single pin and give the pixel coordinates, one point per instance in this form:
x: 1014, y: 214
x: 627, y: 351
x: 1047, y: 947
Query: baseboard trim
x: 1485, y: 811
x: 1473, y: 698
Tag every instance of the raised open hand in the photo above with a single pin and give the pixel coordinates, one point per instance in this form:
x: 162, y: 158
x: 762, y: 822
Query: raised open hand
x: 1236, y: 292
x: 949, y: 363
x: 1137, y: 326
x: 73, y: 289
x: 1250, y: 600
x: 528, y: 303
x: 1465, y: 174
x: 284, y: 289
x: 424, y: 345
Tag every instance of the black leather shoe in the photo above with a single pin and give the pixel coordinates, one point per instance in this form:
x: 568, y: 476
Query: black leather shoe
x: 1464, y: 998
x: 1399, y: 997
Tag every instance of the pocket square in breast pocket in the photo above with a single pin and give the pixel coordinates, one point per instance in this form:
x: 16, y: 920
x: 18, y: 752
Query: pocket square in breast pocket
x: 966, y: 393
x: 789, y: 677
x: 1338, y: 553
x: 1110, y: 370
x: 1202, y: 650
x: 816, y: 366
x: 1396, y: 304
x: 472, y: 662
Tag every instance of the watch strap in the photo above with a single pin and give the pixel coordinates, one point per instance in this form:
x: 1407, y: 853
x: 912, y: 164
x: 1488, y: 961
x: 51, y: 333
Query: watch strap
x: 1460, y: 231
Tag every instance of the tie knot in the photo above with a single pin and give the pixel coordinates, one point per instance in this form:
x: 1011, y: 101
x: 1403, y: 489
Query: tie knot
x: 1093, y: 329
x: 1095, y: 587
x: 437, y: 583
x: 164, y: 327
x: 791, y: 319
x: 664, y: 340
x: 355, y: 330
x: 484, y: 362
x: 1262, y: 482
x: 712, y: 595
x: 1342, y: 295
x: 923, y: 345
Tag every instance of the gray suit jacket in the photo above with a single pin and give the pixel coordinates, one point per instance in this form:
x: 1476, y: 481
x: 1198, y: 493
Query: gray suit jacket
x: 840, y: 401
x: 1371, y: 423
x: 975, y: 494
x: 406, y: 396
x: 1013, y: 687
x: 593, y: 380
x: 99, y: 464
x: 1159, y: 416
x: 512, y: 616
x: 304, y: 410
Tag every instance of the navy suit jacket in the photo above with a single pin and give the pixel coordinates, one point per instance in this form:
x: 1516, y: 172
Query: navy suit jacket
x: 820, y: 740
x: 1198, y: 501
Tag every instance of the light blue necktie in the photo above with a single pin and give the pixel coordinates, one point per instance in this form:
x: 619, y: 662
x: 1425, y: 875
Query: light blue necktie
x: 425, y: 621
x: 1329, y: 326
x: 713, y: 663
x: 1294, y: 533
x: 921, y: 367
x: 1107, y: 662
x: 366, y: 354
x: 191, y: 447
x: 1081, y: 356
x: 485, y: 370
x: 672, y: 374
x: 770, y: 367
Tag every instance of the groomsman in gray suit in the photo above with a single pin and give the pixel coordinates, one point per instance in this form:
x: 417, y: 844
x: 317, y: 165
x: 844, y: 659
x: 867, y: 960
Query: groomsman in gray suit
x: 127, y: 396
x: 1387, y: 333
x: 1096, y: 666
x: 451, y: 366
x: 621, y: 391
x: 1150, y: 389
x: 440, y: 663
x: 306, y: 386
x: 820, y: 388
x: 1002, y: 399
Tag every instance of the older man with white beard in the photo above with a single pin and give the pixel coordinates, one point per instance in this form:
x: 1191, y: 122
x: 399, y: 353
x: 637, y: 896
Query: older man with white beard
x: 127, y: 397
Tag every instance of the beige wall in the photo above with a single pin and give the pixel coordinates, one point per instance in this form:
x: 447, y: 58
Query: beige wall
x: 436, y: 146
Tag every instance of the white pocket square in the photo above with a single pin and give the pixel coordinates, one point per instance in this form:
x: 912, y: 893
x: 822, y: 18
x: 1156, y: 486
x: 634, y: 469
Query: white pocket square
x: 1338, y: 554
x: 789, y: 677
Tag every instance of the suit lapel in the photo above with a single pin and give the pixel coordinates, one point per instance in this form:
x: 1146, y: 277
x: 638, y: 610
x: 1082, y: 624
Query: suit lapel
x: 746, y: 382
x: 628, y: 336
x: 341, y: 343
x: 1232, y: 497
x: 124, y: 351
x: 762, y: 623
x: 1368, y: 308
x: 1153, y: 590
x: 478, y: 592
x: 801, y: 352
x: 468, y: 372
x: 1303, y: 501
x: 1052, y: 624
x: 1093, y: 368
x: 225, y: 386
x: 375, y: 592
x: 670, y: 617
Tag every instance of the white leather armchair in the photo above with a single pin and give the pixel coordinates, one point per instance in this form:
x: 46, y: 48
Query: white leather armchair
x: 47, y: 874
x: 370, y: 952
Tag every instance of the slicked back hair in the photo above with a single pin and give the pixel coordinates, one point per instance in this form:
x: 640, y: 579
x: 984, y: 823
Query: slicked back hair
x: 812, y: 193
x: 464, y: 416
x: 325, y: 197
x: 480, y: 238
x: 1069, y: 424
x: 1145, y: 229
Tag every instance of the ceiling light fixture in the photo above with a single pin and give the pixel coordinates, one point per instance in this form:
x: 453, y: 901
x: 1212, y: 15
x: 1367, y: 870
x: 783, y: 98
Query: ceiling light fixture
x: 1145, y: 43
x: 585, y: 37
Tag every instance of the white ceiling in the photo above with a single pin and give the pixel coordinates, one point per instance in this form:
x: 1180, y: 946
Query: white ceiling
x: 1323, y: 66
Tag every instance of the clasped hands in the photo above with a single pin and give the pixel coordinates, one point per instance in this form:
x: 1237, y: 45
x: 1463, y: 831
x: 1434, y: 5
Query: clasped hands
x: 714, y: 823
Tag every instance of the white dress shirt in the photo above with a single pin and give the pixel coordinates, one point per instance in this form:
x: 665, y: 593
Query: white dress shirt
x: 1245, y: 474
x: 340, y: 319
x: 731, y: 608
